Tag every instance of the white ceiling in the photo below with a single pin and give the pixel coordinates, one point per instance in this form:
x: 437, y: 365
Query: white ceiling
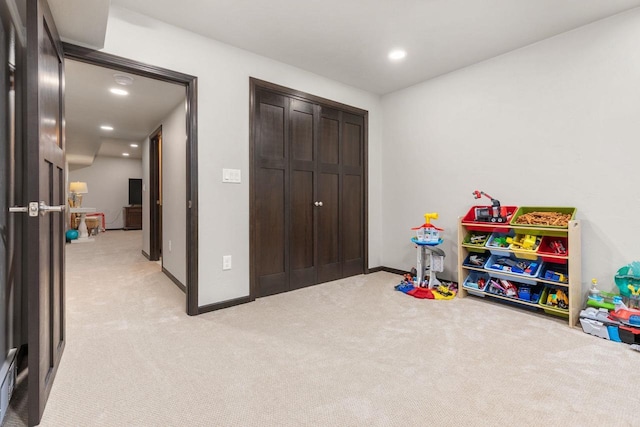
x: 344, y: 40
x: 348, y: 40
x: 89, y: 104
x: 82, y: 22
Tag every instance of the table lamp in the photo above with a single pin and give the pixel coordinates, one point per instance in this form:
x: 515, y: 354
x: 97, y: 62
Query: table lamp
x: 77, y: 189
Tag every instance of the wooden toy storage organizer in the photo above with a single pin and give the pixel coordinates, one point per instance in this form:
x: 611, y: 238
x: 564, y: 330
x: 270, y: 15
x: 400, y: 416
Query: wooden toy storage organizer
x: 573, y: 288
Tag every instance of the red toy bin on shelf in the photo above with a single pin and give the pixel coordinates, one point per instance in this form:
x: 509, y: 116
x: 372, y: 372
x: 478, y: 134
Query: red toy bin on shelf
x: 470, y: 223
x: 550, y: 249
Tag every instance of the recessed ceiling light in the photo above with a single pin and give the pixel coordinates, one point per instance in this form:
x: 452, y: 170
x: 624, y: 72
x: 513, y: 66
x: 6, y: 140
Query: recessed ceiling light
x: 125, y: 154
x: 397, y: 54
x: 123, y: 80
x: 117, y: 91
x: 106, y: 127
x: 133, y: 145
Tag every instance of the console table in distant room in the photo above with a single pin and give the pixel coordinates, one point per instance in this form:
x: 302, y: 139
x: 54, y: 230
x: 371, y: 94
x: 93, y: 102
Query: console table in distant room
x: 133, y: 217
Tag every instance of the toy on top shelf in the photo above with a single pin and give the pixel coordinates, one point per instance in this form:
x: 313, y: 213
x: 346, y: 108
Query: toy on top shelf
x: 628, y: 281
x: 427, y: 233
x: 495, y: 213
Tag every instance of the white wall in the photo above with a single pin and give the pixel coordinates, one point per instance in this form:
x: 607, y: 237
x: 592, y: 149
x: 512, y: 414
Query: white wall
x: 108, y: 183
x: 223, y: 136
x: 556, y: 123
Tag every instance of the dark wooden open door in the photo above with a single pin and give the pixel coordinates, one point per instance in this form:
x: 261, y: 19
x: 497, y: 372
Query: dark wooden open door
x: 45, y: 183
x: 155, y: 195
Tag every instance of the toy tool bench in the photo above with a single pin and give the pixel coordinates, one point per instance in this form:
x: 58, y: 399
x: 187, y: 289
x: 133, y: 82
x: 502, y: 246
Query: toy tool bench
x: 426, y: 240
x: 528, y: 257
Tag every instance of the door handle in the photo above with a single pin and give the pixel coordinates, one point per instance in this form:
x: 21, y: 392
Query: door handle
x: 317, y: 203
x: 44, y: 208
x: 36, y: 208
x: 32, y: 209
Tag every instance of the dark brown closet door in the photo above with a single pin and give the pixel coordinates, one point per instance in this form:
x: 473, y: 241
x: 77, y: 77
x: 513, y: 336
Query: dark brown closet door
x: 303, y: 170
x: 352, y: 195
x: 308, y: 191
x: 271, y: 170
x: 329, y: 183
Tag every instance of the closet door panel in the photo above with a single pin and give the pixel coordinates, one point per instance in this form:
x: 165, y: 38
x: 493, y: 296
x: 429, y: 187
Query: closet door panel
x: 271, y: 194
x: 272, y: 127
x: 271, y: 265
x: 352, y: 194
x: 302, y: 264
x: 352, y: 145
x: 352, y: 226
x: 329, y: 143
x: 302, y: 127
x: 302, y: 249
x: 329, y: 266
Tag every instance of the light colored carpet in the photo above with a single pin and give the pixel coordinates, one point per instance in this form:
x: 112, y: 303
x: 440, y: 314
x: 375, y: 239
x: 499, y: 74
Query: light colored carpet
x: 348, y: 353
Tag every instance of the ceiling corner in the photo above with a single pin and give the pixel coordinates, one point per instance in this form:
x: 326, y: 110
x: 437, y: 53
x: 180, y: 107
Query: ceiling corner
x: 81, y: 22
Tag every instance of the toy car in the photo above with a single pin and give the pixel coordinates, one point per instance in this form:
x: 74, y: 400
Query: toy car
x: 558, y: 298
x: 556, y: 276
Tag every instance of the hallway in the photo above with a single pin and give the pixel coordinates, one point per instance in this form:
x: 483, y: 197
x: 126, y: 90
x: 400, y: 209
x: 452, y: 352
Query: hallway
x: 112, y: 292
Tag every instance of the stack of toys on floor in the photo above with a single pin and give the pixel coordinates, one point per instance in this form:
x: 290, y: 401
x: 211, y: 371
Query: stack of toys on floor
x: 411, y: 286
x: 422, y: 281
x: 615, y: 317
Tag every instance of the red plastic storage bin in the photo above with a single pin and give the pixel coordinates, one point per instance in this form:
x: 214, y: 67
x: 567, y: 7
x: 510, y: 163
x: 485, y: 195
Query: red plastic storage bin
x: 470, y: 223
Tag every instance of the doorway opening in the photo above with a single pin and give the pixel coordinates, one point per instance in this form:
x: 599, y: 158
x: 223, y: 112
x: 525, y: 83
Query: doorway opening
x: 184, y: 190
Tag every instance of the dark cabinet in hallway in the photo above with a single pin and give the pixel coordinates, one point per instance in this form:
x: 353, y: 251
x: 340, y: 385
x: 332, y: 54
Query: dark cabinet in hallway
x: 133, y: 217
x: 308, y: 192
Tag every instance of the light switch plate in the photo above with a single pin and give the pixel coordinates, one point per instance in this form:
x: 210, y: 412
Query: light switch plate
x: 231, y: 175
x: 226, y: 262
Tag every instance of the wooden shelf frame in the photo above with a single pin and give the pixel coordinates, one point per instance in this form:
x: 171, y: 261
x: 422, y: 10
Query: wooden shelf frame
x: 574, y: 286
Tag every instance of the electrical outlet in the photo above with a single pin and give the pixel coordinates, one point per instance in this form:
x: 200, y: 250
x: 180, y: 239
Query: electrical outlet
x: 226, y: 262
